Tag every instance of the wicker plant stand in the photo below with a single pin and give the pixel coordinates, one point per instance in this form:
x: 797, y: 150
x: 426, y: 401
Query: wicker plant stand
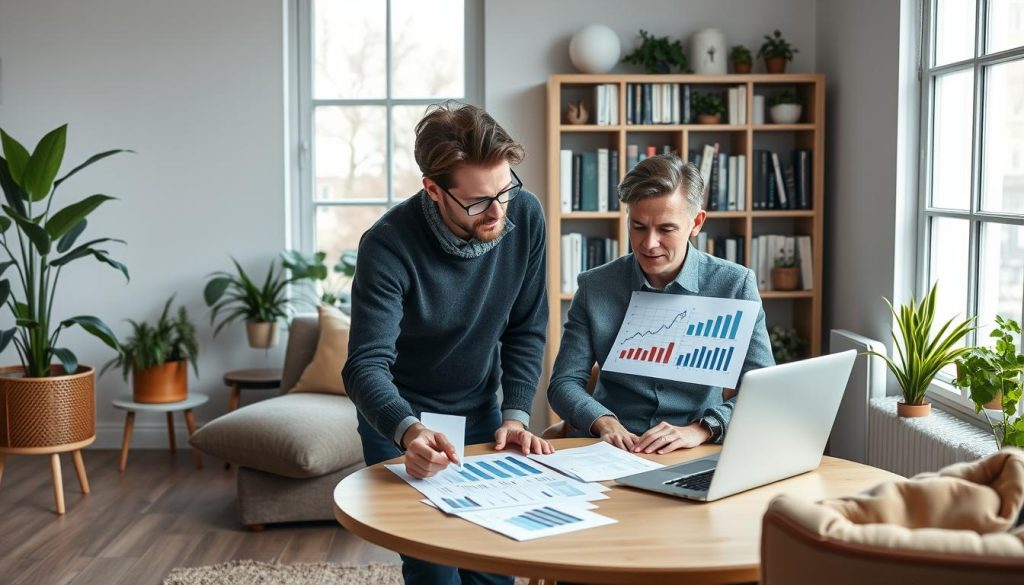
x: 48, y: 416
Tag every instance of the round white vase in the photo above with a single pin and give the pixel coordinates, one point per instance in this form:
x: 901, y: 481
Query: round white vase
x: 785, y: 113
x: 595, y: 48
x: 708, y: 52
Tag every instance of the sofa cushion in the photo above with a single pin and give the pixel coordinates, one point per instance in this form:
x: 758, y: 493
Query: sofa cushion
x: 295, y: 435
x: 323, y: 374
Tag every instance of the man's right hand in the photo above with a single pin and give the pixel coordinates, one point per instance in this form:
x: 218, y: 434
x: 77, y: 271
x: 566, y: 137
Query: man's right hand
x: 426, y: 452
x: 611, y: 431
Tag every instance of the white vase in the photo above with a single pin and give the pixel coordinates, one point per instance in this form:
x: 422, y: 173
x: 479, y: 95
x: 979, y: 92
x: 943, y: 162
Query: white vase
x: 595, y: 49
x: 785, y: 113
x: 708, y: 52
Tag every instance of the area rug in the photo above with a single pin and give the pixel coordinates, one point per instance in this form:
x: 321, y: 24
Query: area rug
x: 257, y: 573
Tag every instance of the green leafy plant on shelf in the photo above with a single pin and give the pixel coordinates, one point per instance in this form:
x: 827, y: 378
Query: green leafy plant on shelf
x: 740, y: 55
x: 787, y: 344
x: 658, y: 54
x: 785, y: 259
x: 707, y: 104
x: 785, y: 96
x: 331, y: 286
x: 775, y: 46
x: 170, y: 339
x: 995, y: 379
x: 920, y: 352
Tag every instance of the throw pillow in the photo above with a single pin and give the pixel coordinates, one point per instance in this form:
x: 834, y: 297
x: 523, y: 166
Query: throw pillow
x: 323, y: 374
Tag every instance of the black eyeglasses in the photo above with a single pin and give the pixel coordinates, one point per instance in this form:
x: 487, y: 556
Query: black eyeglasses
x: 485, y: 202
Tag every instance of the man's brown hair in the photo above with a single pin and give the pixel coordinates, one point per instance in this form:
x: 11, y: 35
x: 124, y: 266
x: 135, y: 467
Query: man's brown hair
x: 453, y: 134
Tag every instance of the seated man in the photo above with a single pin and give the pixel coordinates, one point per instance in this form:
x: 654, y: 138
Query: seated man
x: 663, y: 196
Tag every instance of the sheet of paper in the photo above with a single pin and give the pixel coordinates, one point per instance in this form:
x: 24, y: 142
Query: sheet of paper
x: 537, y: 521
x: 701, y: 340
x: 496, y: 481
x: 597, y: 462
x: 452, y: 427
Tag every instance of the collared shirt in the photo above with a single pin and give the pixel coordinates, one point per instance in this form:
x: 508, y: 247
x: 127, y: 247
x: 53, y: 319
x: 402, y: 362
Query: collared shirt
x: 641, y: 402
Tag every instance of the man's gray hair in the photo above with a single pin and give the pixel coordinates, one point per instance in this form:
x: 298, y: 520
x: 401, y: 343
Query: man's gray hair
x: 662, y: 175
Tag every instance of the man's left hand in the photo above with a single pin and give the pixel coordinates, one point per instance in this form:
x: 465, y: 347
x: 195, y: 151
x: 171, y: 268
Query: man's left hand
x: 513, y: 432
x: 665, y: 438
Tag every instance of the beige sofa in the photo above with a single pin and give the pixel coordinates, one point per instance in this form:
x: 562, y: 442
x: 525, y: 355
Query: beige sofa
x: 290, y: 450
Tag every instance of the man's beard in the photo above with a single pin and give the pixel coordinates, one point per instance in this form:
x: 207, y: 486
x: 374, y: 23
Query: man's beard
x: 484, y: 233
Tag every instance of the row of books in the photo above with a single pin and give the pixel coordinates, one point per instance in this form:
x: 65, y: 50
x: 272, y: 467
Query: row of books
x: 781, y: 185
x: 724, y: 178
x: 580, y: 253
x: 635, y: 155
x: 606, y: 100
x: 730, y: 248
x: 770, y: 250
x: 589, y: 181
x: 670, y: 103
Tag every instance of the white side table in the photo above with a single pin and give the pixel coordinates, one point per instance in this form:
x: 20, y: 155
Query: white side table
x: 194, y: 399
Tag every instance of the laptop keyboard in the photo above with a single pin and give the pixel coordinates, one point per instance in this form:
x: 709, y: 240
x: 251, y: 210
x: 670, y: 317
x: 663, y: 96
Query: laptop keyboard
x: 697, y: 482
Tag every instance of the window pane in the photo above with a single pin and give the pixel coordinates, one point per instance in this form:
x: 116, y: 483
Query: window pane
x: 949, y: 263
x: 349, y: 44
x: 1001, y: 287
x: 954, y: 30
x: 1002, y: 164
x: 339, y: 227
x: 428, y: 48
x: 351, y: 148
x: 1005, y: 25
x: 951, y: 162
x: 405, y: 173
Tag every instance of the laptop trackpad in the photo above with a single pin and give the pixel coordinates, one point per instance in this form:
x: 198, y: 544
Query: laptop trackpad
x: 692, y: 467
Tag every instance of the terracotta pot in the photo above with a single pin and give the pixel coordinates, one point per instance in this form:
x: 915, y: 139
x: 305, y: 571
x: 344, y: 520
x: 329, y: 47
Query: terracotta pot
x: 709, y: 119
x: 786, y: 278
x: 913, y: 410
x: 741, y: 67
x: 775, y: 65
x: 161, y: 384
x: 261, y: 334
x: 47, y: 412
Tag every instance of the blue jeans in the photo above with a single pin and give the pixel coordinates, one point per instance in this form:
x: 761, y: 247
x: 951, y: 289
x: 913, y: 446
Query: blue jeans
x: 377, y: 448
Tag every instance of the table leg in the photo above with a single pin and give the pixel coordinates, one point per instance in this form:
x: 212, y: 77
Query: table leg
x: 191, y: 423
x: 235, y: 395
x: 83, y: 479
x: 58, y: 482
x: 170, y: 432
x: 129, y: 423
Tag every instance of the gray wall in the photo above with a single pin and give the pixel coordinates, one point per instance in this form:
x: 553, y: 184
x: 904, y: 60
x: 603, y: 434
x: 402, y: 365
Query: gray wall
x: 197, y: 89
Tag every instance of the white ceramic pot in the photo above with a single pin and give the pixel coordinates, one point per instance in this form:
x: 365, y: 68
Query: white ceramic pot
x: 785, y: 113
x: 595, y: 49
x: 708, y: 52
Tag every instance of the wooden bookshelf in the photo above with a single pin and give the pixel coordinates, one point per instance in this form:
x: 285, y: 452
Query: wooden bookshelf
x: 801, y: 308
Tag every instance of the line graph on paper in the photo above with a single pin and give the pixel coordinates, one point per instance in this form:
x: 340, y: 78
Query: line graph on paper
x: 702, y: 340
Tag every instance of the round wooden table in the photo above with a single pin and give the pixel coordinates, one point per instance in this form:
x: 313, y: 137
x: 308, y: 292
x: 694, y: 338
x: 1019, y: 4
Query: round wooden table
x: 251, y: 379
x: 194, y: 399
x: 658, y: 539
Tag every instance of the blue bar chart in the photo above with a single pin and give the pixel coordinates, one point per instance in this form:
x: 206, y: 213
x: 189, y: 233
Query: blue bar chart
x: 718, y: 327
x: 541, y: 518
x: 704, y: 358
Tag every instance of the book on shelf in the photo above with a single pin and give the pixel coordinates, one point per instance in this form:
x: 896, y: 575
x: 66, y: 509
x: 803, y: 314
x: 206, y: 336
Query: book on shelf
x: 726, y: 247
x: 581, y: 253
x: 606, y: 102
x: 602, y: 179
x: 707, y: 163
x: 565, y: 180
x: 588, y: 181
x: 767, y: 250
x: 777, y: 186
x: 657, y: 103
x: 613, y: 180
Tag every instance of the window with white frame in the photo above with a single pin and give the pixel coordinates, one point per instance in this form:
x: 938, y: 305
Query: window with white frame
x: 971, y: 227
x: 367, y: 70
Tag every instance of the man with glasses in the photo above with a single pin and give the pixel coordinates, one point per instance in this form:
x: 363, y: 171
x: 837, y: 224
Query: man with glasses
x: 449, y: 307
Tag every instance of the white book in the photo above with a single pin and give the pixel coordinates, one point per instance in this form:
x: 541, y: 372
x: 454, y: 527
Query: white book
x: 614, y: 103
x: 758, y: 114
x: 602, y: 179
x: 733, y: 105
x: 707, y: 158
x: 764, y: 281
x: 789, y: 247
x: 577, y: 260
x: 780, y: 185
x: 806, y: 261
x: 742, y: 105
x: 733, y: 183
x: 566, y: 263
x: 677, y: 108
x: 755, y: 244
x: 565, y: 180
x: 730, y: 250
x: 666, y: 100
x: 741, y: 182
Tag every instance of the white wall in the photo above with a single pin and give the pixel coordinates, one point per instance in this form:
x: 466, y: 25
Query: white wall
x: 197, y: 89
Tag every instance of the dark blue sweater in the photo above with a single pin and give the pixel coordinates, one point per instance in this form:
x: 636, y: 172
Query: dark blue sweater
x: 435, y: 332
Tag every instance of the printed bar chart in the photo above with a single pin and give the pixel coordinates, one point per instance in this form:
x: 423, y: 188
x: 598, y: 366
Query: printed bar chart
x: 654, y: 354
x: 704, y: 358
x: 720, y: 327
x: 542, y: 518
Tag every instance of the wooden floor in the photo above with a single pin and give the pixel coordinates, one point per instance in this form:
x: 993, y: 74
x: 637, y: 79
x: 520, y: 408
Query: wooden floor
x: 134, y: 527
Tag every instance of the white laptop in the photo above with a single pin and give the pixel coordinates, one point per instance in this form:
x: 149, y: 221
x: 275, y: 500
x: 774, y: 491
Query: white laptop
x: 779, y: 427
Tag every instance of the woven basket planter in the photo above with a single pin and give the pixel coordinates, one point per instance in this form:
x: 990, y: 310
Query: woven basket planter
x: 47, y: 412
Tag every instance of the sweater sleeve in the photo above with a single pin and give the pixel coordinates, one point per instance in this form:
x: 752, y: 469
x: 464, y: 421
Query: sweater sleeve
x: 522, y: 343
x: 377, y: 292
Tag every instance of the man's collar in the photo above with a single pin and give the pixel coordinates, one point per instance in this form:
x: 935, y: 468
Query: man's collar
x: 687, y: 279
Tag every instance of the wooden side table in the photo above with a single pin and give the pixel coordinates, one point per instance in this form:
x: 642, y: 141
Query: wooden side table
x: 251, y: 379
x: 194, y: 399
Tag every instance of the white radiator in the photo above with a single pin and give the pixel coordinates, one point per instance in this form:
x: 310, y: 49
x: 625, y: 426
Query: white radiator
x: 849, y: 439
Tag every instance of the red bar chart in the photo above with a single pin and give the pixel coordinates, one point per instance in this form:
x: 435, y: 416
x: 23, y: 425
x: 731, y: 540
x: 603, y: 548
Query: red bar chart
x: 654, y: 354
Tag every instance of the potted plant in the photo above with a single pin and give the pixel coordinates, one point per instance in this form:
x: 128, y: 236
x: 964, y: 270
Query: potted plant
x: 708, y: 107
x: 741, y: 58
x: 332, y: 287
x: 658, y: 54
x: 261, y: 306
x: 784, y: 107
x: 787, y: 344
x: 776, y: 51
x: 785, y: 274
x: 922, y: 352
x: 996, y: 383
x: 157, y: 357
x: 43, y: 404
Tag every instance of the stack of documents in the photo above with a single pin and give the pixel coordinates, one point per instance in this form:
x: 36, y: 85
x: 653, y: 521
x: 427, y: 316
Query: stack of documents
x: 597, y: 462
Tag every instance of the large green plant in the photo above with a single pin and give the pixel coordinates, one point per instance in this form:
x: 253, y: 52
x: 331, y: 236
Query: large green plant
x: 331, y: 286
x: 40, y: 245
x: 169, y: 340
x: 994, y: 374
x: 922, y: 353
x: 658, y: 54
x: 239, y: 297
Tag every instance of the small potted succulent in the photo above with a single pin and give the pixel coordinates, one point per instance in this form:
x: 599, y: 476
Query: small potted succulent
x: 787, y: 344
x: 776, y: 51
x: 995, y: 379
x: 784, y: 107
x: 708, y: 107
x: 741, y: 58
x: 658, y: 54
x: 785, y: 274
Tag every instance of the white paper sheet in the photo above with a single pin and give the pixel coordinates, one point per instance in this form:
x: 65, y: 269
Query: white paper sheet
x: 538, y: 521
x: 452, y: 427
x: 597, y: 462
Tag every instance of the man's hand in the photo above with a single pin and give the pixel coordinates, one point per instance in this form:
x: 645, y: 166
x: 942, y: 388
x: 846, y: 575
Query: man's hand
x: 665, y: 438
x: 426, y: 452
x: 611, y: 431
x: 513, y: 432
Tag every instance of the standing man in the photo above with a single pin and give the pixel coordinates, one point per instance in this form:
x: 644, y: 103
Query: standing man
x: 449, y: 306
x: 663, y: 197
